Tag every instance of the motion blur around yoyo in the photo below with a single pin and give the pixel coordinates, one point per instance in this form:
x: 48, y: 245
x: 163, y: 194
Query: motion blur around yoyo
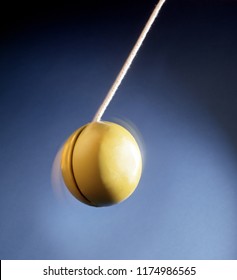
x: 101, y: 163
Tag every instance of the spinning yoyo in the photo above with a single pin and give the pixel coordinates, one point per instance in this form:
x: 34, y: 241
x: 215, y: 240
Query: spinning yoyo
x: 101, y: 162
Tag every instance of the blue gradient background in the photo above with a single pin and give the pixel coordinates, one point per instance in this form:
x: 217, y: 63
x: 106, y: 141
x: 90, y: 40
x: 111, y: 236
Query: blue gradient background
x: 57, y: 63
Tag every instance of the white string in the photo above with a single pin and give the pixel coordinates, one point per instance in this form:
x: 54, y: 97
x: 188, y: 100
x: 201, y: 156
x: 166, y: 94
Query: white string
x: 128, y: 62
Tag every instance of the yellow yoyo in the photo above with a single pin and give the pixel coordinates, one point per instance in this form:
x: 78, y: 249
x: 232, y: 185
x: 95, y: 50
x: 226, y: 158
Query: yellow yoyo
x: 101, y: 163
